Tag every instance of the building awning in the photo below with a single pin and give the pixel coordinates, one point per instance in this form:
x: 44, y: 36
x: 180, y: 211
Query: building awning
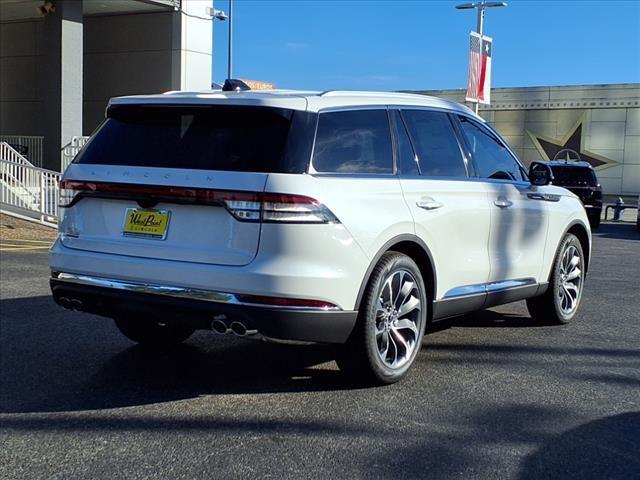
x: 12, y: 10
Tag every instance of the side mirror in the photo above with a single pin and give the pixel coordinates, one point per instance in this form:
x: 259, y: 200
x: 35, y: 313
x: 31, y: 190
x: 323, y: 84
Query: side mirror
x: 540, y: 174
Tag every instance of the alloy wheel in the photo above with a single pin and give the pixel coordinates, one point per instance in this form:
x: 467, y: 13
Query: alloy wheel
x: 570, y: 279
x: 398, y: 318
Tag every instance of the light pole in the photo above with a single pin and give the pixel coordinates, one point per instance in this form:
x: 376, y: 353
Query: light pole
x: 230, y: 51
x: 480, y: 7
x: 220, y: 15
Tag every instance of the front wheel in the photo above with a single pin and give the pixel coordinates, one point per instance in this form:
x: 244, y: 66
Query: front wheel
x: 153, y: 333
x: 559, y: 303
x: 391, y: 323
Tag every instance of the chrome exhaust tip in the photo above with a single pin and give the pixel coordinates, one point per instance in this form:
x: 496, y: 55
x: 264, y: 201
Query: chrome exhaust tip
x: 238, y: 328
x: 219, y: 326
x: 71, y: 303
x: 76, y: 304
x: 65, y: 302
x: 241, y: 330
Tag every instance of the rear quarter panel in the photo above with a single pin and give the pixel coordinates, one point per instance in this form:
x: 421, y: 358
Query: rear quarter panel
x: 370, y: 207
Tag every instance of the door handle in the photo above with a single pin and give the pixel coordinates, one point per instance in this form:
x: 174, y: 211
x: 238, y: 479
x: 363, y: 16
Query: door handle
x: 502, y: 202
x: 429, y: 205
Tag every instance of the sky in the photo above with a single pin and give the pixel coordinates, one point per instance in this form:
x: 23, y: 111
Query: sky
x: 415, y: 45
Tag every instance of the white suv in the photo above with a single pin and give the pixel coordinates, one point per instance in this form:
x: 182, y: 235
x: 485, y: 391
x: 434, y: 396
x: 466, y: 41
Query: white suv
x: 352, y: 218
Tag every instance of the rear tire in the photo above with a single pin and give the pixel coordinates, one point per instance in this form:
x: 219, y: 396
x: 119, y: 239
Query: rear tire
x: 153, y: 333
x: 559, y: 304
x: 594, y: 221
x: 391, y: 323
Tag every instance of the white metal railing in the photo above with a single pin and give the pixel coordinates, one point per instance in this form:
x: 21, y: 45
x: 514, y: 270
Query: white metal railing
x: 29, y: 146
x: 29, y: 189
x: 70, y: 150
x: 10, y: 154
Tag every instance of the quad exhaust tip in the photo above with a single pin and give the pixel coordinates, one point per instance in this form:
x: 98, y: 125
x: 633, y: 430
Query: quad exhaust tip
x: 71, y: 303
x: 220, y: 326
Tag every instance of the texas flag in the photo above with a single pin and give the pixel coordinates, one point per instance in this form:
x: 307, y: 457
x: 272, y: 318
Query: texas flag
x: 479, y: 84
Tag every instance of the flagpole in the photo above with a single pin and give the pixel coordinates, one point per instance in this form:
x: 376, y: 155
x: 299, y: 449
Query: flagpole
x: 480, y: 7
x: 480, y: 25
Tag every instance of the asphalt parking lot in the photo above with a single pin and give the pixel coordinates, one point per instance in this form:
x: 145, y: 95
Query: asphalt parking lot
x: 493, y: 395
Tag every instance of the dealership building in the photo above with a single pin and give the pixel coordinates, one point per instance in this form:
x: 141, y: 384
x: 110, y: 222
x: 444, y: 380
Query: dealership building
x: 600, y: 122
x: 61, y: 61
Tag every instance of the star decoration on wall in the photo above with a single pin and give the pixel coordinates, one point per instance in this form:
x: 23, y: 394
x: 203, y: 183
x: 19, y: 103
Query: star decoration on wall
x: 574, y: 140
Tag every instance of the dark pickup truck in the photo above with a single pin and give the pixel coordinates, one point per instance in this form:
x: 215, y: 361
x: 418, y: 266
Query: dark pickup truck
x: 580, y: 178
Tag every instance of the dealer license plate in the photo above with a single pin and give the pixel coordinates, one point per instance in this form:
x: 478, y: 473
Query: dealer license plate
x: 146, y: 223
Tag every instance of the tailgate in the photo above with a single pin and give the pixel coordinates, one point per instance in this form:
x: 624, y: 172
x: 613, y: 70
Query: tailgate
x: 175, y: 231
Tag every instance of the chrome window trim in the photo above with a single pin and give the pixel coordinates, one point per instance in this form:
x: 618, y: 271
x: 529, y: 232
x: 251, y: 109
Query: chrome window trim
x: 172, y: 291
x: 374, y: 176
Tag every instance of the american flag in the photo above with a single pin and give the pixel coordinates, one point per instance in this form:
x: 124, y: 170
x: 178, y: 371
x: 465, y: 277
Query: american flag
x: 479, y: 84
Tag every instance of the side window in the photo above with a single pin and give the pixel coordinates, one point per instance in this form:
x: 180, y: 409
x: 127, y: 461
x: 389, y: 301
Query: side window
x: 407, y: 161
x: 491, y: 158
x: 356, y: 141
x: 435, y: 142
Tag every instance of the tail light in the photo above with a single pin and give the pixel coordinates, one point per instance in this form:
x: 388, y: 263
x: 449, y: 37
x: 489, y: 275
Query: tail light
x: 294, y: 209
x: 598, y: 192
x: 69, y: 190
x: 244, y: 206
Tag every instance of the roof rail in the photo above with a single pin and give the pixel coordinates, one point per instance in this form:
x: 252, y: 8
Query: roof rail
x: 357, y: 93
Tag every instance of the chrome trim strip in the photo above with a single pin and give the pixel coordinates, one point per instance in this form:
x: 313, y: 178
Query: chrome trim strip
x: 466, y: 291
x: 172, y: 291
x: 547, y: 197
x: 509, y: 284
x: 482, y: 288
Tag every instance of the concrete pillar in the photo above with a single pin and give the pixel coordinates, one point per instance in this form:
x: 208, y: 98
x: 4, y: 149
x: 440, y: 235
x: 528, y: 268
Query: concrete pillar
x: 61, y: 79
x: 192, y: 47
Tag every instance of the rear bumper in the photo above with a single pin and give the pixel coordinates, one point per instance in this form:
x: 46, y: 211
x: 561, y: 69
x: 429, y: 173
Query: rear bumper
x: 196, y: 308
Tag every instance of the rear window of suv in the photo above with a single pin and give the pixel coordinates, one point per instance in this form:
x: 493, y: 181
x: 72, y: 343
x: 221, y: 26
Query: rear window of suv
x: 244, y: 139
x: 567, y: 175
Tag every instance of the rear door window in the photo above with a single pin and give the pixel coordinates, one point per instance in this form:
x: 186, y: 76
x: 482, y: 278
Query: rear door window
x: 243, y: 139
x: 435, y: 143
x: 357, y: 141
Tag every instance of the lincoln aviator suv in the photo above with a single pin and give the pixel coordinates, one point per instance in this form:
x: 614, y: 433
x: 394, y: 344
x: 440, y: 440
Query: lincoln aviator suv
x: 351, y: 218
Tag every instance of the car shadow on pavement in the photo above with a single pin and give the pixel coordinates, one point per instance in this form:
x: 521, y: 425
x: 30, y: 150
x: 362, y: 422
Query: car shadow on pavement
x: 604, y: 448
x: 139, y: 376
x: 59, y: 361
x: 621, y: 231
x: 492, y: 318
